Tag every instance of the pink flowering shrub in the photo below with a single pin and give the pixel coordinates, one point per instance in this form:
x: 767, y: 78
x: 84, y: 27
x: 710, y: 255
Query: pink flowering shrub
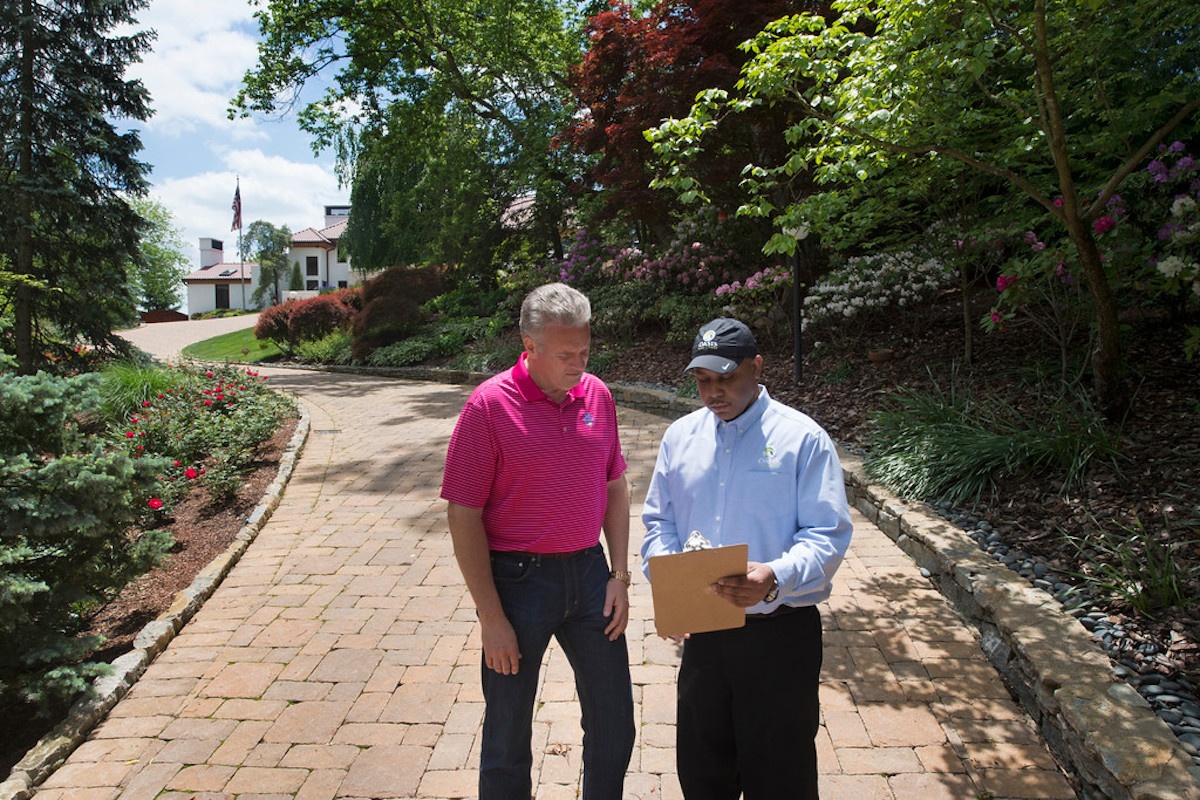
x: 696, y: 260
x: 1149, y: 241
x: 1038, y: 285
x: 763, y: 301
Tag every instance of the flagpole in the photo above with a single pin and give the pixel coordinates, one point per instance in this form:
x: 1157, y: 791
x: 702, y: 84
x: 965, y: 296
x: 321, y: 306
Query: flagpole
x: 242, y: 269
x: 237, y: 223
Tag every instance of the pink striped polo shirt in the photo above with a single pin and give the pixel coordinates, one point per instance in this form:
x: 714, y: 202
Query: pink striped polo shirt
x: 539, y: 470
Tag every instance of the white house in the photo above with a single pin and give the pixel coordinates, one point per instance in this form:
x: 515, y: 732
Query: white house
x: 219, y: 283
x: 322, y: 263
x: 222, y: 284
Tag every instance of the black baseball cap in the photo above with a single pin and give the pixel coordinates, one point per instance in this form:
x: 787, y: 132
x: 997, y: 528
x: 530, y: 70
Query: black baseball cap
x: 721, y: 345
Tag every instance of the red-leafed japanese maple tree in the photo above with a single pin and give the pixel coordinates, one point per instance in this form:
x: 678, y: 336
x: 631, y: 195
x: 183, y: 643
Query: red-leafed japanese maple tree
x: 642, y: 69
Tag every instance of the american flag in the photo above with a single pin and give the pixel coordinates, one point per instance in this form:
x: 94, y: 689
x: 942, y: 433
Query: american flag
x: 237, y: 208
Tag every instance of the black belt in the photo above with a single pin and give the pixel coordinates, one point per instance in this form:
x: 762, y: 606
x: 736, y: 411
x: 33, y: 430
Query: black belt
x: 536, y: 556
x: 777, y: 613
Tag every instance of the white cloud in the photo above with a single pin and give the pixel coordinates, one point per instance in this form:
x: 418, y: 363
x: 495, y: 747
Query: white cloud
x: 197, y: 154
x: 274, y: 189
x: 198, y: 59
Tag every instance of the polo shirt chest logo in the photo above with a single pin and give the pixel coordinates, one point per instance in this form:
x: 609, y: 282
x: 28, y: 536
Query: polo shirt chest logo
x: 588, y: 419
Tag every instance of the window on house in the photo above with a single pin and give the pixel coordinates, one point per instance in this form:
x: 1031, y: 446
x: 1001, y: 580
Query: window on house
x: 343, y: 284
x: 310, y: 266
x: 311, y: 286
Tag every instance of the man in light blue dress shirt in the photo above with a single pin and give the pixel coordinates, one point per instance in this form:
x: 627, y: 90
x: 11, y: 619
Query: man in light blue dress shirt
x: 746, y: 468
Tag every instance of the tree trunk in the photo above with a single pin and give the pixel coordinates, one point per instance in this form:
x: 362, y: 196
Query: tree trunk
x: 1110, y: 392
x: 23, y: 300
x: 964, y: 287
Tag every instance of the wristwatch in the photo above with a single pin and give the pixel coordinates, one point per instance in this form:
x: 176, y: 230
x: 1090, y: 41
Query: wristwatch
x: 624, y: 576
x: 772, y: 595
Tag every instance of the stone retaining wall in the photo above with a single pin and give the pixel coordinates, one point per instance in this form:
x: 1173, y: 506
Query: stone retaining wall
x: 1097, y: 724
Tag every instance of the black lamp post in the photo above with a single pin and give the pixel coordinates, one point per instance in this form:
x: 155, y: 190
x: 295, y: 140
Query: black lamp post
x: 799, y: 234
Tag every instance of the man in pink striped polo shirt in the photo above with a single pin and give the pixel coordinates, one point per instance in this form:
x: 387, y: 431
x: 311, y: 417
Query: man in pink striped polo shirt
x: 534, y: 473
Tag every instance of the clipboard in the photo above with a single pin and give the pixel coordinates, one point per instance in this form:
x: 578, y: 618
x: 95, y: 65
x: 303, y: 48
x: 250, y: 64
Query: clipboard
x: 679, y: 585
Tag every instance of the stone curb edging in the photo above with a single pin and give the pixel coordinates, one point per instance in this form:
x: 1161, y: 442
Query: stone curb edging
x: 54, y: 748
x: 1095, y: 723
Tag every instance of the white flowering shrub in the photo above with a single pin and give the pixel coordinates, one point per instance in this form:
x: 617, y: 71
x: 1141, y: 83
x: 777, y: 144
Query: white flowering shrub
x: 876, y: 283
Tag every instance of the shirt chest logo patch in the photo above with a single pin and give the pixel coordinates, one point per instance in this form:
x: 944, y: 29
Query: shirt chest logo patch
x: 588, y: 419
x: 769, y: 457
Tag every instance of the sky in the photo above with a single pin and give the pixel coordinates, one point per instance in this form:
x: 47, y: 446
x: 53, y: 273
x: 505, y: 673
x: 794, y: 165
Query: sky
x: 197, y: 154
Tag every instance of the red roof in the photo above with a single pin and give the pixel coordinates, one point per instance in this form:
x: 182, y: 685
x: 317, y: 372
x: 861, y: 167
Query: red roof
x: 325, y: 237
x: 222, y: 273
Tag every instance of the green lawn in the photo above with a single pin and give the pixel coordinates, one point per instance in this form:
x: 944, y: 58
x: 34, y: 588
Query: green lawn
x: 237, y: 346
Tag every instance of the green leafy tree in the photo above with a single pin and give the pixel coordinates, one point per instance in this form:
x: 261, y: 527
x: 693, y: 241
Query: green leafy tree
x: 268, y: 245
x: 485, y: 84
x: 1059, y: 102
x: 157, y: 276
x: 63, y: 217
x: 427, y: 191
x: 641, y: 67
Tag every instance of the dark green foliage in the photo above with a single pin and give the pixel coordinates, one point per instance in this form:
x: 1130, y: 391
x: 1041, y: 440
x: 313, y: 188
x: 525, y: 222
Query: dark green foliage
x: 67, y: 232
x: 682, y: 315
x: 491, y: 355
x: 438, y: 341
x: 392, y: 307
x: 956, y: 446
x: 64, y: 532
x: 333, y: 348
x: 404, y: 353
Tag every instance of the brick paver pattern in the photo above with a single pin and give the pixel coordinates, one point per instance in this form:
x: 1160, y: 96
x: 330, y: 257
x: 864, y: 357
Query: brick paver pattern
x: 340, y: 657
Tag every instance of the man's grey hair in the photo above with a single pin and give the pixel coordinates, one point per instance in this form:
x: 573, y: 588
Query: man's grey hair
x: 554, y: 304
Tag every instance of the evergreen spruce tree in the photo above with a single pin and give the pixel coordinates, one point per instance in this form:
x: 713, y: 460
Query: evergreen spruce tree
x: 296, y: 282
x: 66, y: 233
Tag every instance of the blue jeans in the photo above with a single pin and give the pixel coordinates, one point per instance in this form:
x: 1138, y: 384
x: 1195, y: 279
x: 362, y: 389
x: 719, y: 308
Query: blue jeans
x: 563, y: 598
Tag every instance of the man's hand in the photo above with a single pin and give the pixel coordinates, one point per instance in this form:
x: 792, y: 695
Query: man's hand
x: 745, y: 590
x: 500, y: 651
x: 616, y: 607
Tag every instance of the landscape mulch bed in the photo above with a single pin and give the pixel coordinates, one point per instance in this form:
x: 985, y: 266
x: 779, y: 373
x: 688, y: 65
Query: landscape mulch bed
x: 202, y: 531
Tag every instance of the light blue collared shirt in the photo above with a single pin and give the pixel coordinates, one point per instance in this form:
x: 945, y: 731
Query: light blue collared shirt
x: 770, y: 478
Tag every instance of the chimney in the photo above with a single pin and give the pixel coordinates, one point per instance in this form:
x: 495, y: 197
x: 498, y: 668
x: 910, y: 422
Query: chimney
x: 212, y: 251
x: 335, y: 214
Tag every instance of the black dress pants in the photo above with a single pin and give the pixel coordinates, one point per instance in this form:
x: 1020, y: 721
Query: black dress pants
x: 748, y: 709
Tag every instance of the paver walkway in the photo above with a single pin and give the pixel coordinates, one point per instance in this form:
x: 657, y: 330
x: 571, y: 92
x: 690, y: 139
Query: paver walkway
x: 340, y: 657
